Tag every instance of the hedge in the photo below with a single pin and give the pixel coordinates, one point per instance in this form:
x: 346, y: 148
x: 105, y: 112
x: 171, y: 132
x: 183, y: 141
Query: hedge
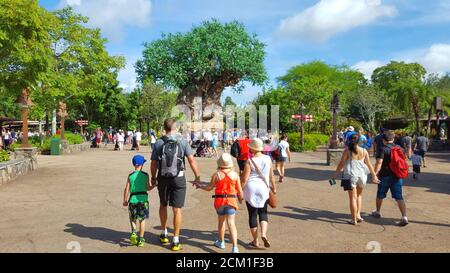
x: 311, y: 141
x: 45, y: 147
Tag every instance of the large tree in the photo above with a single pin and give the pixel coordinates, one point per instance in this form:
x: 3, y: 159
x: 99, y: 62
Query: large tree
x: 204, y: 61
x: 404, y: 83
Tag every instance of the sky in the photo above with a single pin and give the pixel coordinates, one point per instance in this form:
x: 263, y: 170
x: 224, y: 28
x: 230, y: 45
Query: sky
x: 363, y: 34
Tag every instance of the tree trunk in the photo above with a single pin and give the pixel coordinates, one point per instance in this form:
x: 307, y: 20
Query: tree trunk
x: 188, y: 95
x: 430, y: 112
x: 416, y: 109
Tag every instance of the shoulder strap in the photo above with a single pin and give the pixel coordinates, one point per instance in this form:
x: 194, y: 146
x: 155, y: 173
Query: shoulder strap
x: 259, y: 172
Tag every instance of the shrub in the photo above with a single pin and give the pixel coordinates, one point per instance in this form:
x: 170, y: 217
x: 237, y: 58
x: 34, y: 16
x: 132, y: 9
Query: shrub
x: 4, y: 156
x: 145, y: 142
x: 311, y: 141
x: 73, y: 138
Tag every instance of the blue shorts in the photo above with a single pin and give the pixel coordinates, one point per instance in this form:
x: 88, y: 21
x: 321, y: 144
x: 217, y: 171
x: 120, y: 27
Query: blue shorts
x: 390, y: 183
x: 226, y: 210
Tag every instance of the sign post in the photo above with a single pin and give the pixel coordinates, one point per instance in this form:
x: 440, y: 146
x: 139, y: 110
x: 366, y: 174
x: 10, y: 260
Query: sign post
x: 82, y: 123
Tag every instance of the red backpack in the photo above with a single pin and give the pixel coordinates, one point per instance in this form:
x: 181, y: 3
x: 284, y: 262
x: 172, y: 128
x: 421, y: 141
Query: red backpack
x: 398, y: 164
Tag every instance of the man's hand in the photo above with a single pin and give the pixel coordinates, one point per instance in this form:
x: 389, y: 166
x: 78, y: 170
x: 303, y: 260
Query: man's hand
x: 125, y: 203
x: 154, y: 181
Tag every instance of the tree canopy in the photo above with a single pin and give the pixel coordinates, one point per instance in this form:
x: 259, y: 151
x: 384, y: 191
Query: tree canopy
x: 204, y: 61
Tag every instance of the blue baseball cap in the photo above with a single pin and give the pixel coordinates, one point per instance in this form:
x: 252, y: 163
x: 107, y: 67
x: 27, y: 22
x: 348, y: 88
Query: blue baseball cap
x: 138, y: 160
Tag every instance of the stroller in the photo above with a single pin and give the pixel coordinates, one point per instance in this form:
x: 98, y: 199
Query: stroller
x: 202, y: 149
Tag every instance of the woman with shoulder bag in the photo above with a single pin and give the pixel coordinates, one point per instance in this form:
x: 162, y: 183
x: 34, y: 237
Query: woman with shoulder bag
x: 259, y: 188
x: 356, y: 164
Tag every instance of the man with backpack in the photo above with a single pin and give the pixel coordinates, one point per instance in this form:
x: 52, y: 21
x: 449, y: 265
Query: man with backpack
x: 240, y: 151
x: 168, y: 173
x: 391, y: 168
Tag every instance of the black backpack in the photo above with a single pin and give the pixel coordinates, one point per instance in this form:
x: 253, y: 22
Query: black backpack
x: 235, y: 149
x: 171, y: 160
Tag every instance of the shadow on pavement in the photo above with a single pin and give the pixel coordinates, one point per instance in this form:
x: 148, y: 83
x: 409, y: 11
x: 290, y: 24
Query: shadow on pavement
x: 309, y: 174
x: 310, y: 214
x: 203, y: 239
x: 99, y: 233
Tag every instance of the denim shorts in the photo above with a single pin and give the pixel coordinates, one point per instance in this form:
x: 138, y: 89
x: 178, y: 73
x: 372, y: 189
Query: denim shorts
x: 226, y: 210
x: 390, y: 183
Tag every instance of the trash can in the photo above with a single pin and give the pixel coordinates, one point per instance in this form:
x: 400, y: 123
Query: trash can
x: 55, y: 146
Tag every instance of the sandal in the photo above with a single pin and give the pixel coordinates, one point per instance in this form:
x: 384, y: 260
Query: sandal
x: 360, y: 220
x: 351, y: 222
x: 253, y: 245
x: 266, y: 242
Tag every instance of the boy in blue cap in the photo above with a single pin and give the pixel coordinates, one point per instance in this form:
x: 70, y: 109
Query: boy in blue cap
x: 135, y: 196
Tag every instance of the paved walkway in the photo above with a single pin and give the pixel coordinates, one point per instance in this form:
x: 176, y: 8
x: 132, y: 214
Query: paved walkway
x: 77, y: 199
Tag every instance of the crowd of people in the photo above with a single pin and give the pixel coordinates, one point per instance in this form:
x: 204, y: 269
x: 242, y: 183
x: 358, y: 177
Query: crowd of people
x: 254, y: 184
x: 10, y: 136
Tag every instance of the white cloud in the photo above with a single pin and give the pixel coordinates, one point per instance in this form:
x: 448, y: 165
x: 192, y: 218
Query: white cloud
x: 112, y: 16
x: 435, y: 59
x: 127, y: 76
x: 330, y: 17
x: 367, y: 67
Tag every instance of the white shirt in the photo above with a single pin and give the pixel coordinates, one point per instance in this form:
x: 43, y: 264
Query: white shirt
x: 120, y: 137
x: 256, y: 191
x: 284, y: 145
x: 138, y: 136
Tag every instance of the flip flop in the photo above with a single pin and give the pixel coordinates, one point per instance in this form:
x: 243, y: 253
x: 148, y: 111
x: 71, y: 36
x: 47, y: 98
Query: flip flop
x: 252, y: 245
x: 360, y: 220
x: 351, y: 222
x: 266, y: 242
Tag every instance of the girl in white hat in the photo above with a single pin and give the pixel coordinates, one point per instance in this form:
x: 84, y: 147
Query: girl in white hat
x: 228, y: 193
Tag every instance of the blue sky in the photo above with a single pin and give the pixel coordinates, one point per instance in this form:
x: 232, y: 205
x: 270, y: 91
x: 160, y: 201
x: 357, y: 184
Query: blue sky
x: 363, y: 34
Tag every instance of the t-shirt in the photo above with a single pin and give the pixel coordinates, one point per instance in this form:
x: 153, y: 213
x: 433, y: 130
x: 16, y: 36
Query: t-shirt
x: 138, y: 136
x: 245, y: 151
x: 416, y: 160
x: 362, y: 141
x: 186, y: 148
x: 283, y: 145
x: 422, y: 143
x: 379, y: 142
x: 385, y: 154
x: 406, y: 141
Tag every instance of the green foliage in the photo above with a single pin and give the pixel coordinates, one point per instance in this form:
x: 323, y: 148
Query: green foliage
x: 205, y: 60
x: 404, y: 83
x: 145, y: 142
x: 311, y: 84
x: 312, y: 141
x: 4, y: 155
x: 156, y: 104
x: 25, y: 53
x: 73, y: 138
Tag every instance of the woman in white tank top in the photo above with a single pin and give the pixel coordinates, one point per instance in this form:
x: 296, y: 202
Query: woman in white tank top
x: 356, y: 164
x: 256, y: 190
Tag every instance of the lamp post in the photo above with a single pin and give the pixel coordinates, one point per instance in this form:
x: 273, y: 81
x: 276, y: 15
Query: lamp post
x: 335, y: 109
x: 24, y: 102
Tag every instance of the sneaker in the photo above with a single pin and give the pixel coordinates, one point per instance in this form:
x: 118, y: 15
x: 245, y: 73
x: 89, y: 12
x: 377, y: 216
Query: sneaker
x: 141, y: 242
x: 133, y: 238
x: 376, y: 214
x: 219, y: 244
x: 176, y: 246
x: 235, y: 249
x: 403, y: 222
x: 164, y: 239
